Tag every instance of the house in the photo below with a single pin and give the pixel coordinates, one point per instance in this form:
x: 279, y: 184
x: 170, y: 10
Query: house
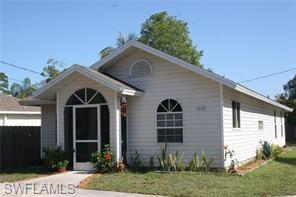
x: 13, y: 114
x: 138, y: 98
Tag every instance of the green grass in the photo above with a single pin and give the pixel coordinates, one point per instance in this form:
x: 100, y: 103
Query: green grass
x: 22, y: 174
x: 278, y: 177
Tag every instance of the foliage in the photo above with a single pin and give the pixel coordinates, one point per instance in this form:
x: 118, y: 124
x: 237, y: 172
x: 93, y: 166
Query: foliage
x: 276, y: 178
x: 175, y: 162
x: 170, y: 35
x: 206, y: 162
x: 276, y: 150
x: 4, y: 86
x: 266, y: 149
x: 195, y: 164
x: 136, y: 162
x: 288, y: 98
x: 162, y: 159
x: 151, y: 162
x: 230, y: 153
x: 55, y: 157
x: 104, y: 162
x: 121, y: 40
x: 51, y: 71
x: 23, y: 90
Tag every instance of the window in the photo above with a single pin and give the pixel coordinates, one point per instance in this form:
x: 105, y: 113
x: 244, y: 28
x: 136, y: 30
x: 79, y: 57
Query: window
x: 235, y: 114
x: 275, y: 129
x: 85, y: 96
x: 140, y: 68
x: 282, y: 129
x: 260, y: 125
x: 169, y: 122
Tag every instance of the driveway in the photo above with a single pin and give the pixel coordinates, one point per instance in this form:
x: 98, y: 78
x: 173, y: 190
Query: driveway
x: 64, y: 184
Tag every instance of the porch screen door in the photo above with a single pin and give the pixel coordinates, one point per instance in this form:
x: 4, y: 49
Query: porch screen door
x: 86, y: 138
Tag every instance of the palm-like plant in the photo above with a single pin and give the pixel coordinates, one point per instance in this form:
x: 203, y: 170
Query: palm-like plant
x: 22, y: 90
x: 121, y: 40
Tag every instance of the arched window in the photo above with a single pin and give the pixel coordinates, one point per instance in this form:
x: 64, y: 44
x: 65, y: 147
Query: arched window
x: 85, y: 96
x: 140, y: 68
x: 169, y: 122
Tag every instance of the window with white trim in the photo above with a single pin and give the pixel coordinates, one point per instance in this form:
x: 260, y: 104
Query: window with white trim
x: 235, y: 114
x: 169, y: 122
x: 140, y: 68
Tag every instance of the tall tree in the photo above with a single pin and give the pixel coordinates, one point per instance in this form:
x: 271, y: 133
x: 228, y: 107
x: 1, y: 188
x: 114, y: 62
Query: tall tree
x: 51, y: 70
x: 23, y: 90
x: 4, y: 85
x: 289, y: 98
x: 121, y: 40
x: 170, y: 35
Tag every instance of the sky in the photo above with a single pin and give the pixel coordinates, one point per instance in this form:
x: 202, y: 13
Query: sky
x: 240, y: 39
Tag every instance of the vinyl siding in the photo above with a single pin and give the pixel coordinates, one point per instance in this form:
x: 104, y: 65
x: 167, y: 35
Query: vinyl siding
x: 48, y: 125
x: 74, y: 83
x: 245, y: 140
x: 202, y: 130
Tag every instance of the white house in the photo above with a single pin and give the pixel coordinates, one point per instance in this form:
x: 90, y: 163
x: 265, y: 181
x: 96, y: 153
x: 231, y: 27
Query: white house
x: 168, y: 100
x: 13, y: 114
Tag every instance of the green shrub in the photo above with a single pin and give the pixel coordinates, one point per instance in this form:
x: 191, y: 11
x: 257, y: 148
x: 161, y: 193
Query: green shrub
x: 136, y: 162
x: 151, y: 162
x: 266, y: 149
x: 206, y: 162
x: 175, y: 162
x: 162, y: 159
x: 259, y: 154
x: 55, y: 158
x: 104, y: 162
x: 276, y: 150
x: 195, y: 164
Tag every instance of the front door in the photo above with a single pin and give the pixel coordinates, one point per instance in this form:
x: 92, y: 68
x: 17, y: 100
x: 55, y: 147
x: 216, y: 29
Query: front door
x: 86, y: 132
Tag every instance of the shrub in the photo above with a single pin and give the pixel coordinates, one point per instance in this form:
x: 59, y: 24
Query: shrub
x: 266, y: 149
x: 206, y: 162
x: 259, y: 154
x: 175, y: 162
x: 276, y: 150
x: 151, y: 162
x: 162, y: 159
x: 195, y: 164
x: 55, y: 158
x: 104, y: 162
x: 136, y: 162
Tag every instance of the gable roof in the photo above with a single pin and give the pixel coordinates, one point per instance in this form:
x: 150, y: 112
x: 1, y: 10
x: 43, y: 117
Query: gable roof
x: 10, y: 105
x: 213, y: 76
x: 101, y: 78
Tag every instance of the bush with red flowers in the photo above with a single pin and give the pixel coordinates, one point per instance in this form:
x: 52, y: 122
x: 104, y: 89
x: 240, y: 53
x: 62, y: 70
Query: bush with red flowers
x: 104, y: 161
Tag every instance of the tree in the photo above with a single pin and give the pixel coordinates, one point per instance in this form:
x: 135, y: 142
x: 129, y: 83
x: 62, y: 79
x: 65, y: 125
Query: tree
x: 170, y: 35
x: 23, y: 90
x: 121, y: 40
x: 51, y: 71
x: 289, y: 99
x: 290, y: 88
x: 4, y: 83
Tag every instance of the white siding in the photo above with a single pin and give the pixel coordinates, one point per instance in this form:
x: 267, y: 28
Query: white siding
x: 245, y: 140
x: 48, y: 126
x: 74, y: 83
x: 20, y: 119
x: 202, y: 130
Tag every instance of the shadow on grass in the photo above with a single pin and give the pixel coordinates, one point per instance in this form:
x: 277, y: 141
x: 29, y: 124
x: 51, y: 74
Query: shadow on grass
x: 28, y: 170
x: 287, y: 160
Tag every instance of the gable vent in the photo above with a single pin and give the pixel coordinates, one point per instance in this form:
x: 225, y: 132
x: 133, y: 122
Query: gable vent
x: 140, y: 68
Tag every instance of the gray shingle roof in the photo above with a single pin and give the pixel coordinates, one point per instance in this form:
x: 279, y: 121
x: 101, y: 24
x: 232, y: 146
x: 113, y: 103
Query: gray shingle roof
x: 10, y: 103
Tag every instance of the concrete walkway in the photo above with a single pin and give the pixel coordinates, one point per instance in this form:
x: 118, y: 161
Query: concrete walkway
x: 64, y: 184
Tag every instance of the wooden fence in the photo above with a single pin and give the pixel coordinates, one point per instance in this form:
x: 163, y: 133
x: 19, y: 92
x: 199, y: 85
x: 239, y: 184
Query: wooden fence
x: 19, y: 146
x: 290, y: 132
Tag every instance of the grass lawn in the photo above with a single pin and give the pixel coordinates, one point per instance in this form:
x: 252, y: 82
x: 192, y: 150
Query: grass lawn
x: 21, y: 174
x: 275, y: 178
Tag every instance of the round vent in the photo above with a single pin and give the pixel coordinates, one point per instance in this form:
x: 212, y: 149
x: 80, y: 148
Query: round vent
x: 140, y: 68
